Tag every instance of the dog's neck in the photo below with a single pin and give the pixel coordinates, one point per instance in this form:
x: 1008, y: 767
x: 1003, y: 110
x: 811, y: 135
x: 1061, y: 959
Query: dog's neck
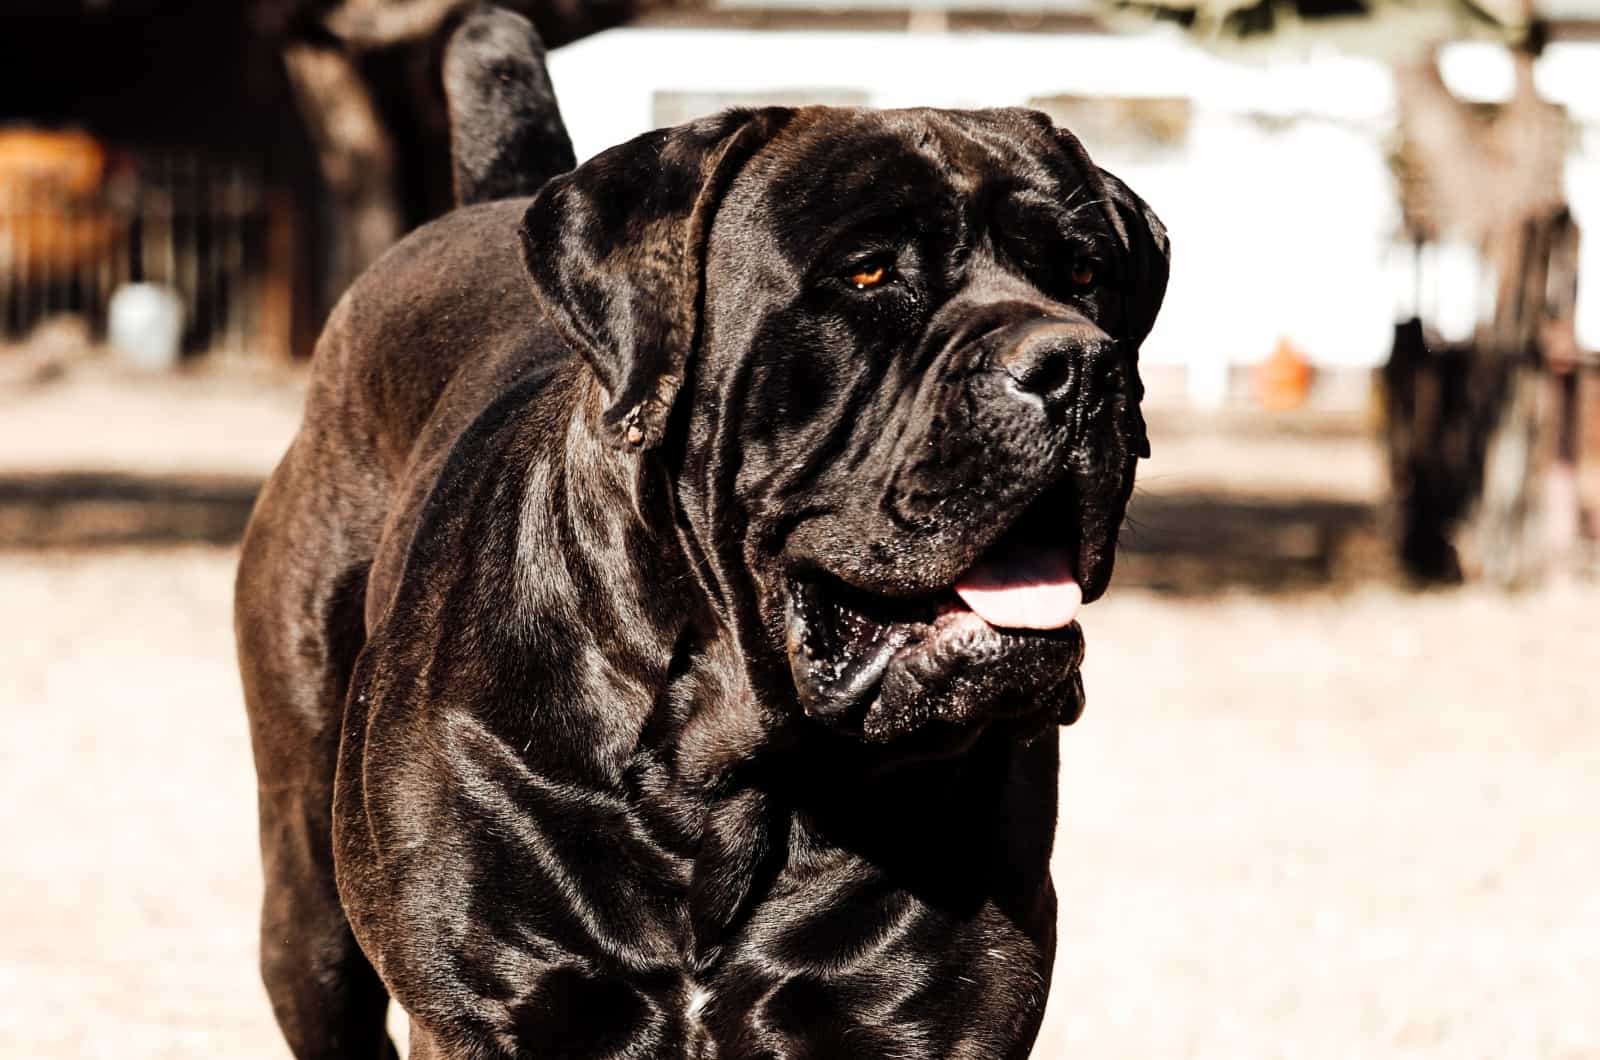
x: 734, y: 779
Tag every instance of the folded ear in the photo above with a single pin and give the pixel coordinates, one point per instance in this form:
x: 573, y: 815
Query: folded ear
x: 616, y: 252
x: 1144, y: 238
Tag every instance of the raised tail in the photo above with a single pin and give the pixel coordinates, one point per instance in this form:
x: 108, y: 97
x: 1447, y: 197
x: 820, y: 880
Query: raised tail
x: 506, y: 133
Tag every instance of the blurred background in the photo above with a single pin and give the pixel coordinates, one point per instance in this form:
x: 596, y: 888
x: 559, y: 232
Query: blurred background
x: 1335, y: 794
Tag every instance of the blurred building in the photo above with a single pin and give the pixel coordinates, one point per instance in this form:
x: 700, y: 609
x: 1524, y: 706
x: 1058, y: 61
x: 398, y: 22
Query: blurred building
x: 153, y: 143
x: 247, y: 157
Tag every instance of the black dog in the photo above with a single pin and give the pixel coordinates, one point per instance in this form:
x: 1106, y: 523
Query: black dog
x: 655, y: 635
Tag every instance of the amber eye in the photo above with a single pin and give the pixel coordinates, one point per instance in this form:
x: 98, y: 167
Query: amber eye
x: 869, y: 275
x: 1083, y: 274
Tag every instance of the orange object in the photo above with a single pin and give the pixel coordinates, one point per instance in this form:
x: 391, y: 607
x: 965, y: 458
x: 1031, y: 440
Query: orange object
x: 1282, y: 381
x: 51, y: 216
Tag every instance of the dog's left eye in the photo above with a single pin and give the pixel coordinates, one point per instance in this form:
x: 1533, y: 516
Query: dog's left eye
x: 1084, y: 273
x: 866, y: 275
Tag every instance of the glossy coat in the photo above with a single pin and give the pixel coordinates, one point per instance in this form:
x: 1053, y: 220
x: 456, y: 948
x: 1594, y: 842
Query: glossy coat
x: 511, y: 611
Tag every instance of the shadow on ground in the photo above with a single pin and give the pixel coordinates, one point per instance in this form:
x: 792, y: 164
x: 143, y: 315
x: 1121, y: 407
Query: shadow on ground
x: 1179, y: 543
x: 95, y: 509
x: 1200, y: 543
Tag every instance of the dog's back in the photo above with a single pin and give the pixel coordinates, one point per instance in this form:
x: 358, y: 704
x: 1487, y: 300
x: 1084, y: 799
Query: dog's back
x: 409, y: 357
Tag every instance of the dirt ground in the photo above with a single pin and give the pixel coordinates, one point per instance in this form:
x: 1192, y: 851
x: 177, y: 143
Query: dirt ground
x: 1308, y: 814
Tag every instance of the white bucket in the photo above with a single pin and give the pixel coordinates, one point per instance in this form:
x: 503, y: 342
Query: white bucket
x: 145, y: 325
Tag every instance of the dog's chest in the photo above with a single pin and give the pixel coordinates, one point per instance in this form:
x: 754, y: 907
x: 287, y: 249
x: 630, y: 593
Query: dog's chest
x: 837, y: 968
x: 644, y: 920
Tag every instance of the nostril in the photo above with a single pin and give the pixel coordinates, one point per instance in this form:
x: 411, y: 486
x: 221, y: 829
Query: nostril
x: 1040, y: 367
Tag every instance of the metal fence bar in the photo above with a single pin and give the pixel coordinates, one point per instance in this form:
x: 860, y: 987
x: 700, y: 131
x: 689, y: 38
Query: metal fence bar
x: 194, y: 223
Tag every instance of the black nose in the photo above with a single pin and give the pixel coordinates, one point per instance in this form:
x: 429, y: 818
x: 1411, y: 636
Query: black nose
x: 1053, y: 358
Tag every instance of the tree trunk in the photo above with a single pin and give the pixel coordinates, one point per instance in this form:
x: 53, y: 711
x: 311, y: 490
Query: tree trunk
x: 1494, y: 181
x: 355, y: 155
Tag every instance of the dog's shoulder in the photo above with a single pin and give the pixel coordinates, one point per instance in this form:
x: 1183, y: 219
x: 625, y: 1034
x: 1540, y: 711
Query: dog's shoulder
x: 449, y: 306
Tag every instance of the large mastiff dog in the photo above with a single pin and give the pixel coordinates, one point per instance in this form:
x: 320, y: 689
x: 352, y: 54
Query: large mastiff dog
x: 654, y: 638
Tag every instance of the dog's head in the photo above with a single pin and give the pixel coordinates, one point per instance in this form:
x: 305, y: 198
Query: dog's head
x: 893, y: 359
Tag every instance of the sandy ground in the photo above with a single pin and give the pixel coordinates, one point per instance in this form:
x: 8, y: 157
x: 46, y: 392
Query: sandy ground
x: 1346, y: 820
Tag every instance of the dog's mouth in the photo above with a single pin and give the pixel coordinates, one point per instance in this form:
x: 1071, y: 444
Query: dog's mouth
x: 1001, y: 641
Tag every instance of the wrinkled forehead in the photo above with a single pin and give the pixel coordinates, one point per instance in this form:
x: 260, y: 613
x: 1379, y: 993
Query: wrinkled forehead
x: 834, y: 167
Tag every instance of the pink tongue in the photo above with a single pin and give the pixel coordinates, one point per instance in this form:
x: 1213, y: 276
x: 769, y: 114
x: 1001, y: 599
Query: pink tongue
x: 1032, y: 589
